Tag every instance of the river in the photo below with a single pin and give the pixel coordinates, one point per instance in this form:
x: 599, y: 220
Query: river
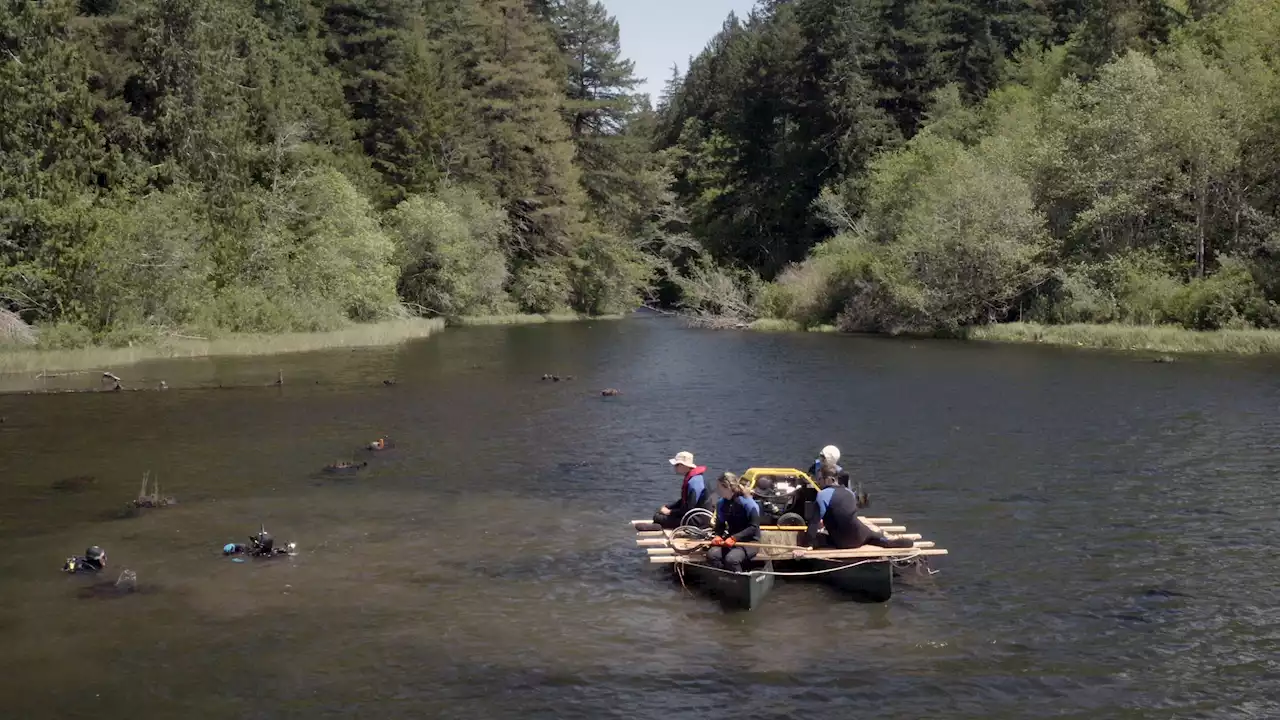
x: 1111, y: 525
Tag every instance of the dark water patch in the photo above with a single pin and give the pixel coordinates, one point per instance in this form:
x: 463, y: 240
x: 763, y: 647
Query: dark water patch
x: 74, y: 484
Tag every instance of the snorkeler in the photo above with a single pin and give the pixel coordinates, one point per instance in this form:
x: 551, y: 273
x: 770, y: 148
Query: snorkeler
x: 260, y: 545
x: 94, y: 560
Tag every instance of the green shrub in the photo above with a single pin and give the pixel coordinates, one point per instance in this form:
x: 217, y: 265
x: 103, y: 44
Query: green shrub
x: 713, y: 290
x: 250, y: 309
x: 338, y: 253
x: 63, y: 336
x: 148, y: 261
x: 608, y: 274
x: 1227, y: 299
x: 541, y: 289
x: 450, y: 253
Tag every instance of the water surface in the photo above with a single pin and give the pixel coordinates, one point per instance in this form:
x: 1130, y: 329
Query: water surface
x: 1110, y: 523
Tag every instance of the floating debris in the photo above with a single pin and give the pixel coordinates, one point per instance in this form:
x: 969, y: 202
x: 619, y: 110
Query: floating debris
x: 153, y: 499
x: 344, y: 466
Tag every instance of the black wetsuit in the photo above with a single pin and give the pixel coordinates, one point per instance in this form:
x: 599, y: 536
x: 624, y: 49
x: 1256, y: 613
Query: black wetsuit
x: 837, y: 509
x: 739, y: 519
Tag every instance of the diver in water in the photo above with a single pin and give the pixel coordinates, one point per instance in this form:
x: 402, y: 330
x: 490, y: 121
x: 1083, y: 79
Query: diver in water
x: 94, y: 560
x: 260, y: 545
x: 836, y: 508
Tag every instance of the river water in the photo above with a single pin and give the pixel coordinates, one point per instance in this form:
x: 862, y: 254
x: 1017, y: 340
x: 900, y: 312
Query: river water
x: 1111, y: 524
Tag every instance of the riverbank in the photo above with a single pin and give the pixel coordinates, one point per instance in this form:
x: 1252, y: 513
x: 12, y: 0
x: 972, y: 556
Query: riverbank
x: 393, y: 332
x: 1164, y: 339
x: 526, y: 319
x: 1161, y: 338
x: 104, y: 358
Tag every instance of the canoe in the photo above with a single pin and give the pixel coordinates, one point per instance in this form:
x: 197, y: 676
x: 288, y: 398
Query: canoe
x: 734, y: 590
x: 857, y: 580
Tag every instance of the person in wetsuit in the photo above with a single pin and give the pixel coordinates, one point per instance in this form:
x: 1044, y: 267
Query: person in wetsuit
x: 737, y: 521
x: 693, y: 492
x: 261, y: 545
x: 836, y: 508
x: 829, y: 456
x: 94, y: 560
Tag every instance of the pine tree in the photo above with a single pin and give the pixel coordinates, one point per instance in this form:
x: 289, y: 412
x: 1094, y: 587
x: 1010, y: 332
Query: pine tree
x: 600, y: 107
x: 514, y: 100
x: 401, y: 91
x: 51, y: 159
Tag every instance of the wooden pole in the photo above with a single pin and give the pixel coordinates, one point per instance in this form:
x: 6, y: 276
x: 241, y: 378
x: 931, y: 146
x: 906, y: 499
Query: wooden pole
x: 871, y: 521
x: 924, y: 544
x: 859, y: 554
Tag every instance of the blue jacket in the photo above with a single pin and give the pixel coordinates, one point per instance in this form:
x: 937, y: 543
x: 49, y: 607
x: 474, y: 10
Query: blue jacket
x: 695, y: 493
x: 738, y: 518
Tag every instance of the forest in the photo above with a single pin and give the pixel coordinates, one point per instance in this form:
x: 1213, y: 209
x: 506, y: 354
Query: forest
x: 919, y: 166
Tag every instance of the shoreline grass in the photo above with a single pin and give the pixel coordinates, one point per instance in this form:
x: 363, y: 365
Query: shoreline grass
x: 1156, y: 338
x: 778, y: 325
x: 392, y: 332
x: 518, y: 319
x: 1130, y: 338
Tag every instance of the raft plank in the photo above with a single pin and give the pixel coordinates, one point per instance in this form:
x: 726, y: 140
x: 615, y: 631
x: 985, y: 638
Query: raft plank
x: 858, y: 554
x: 874, y: 521
x: 781, y: 554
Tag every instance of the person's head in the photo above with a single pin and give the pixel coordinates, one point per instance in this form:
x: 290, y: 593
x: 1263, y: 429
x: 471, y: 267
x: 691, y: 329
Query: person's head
x: 827, y: 467
x: 830, y: 454
x: 729, y: 486
x: 682, y: 462
x: 96, y: 556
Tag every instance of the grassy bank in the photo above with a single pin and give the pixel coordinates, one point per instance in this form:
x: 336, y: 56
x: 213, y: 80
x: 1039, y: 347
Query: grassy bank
x: 776, y: 325
x: 1148, y: 338
x: 526, y: 319
x: 103, y: 358
x: 1161, y: 338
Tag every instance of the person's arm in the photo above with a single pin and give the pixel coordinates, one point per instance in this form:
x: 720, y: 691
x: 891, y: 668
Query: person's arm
x: 720, y: 523
x: 673, y: 508
x: 751, y: 533
x: 690, y: 499
x: 815, y: 522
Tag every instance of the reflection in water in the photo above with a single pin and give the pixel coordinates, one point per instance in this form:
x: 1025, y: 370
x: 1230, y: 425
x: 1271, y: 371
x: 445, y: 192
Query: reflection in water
x: 1109, y: 523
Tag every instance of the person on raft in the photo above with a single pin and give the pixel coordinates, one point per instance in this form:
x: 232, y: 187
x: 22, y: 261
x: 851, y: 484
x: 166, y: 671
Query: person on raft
x: 261, y: 545
x: 94, y: 560
x: 836, y: 508
x: 693, y: 492
x: 829, y: 455
x: 737, y: 521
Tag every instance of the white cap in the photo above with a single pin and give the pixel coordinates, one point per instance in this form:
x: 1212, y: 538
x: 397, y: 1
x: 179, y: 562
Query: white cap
x: 831, y: 453
x: 684, y: 457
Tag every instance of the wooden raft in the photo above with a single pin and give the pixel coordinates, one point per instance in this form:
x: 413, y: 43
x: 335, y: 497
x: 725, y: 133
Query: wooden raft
x: 777, y: 543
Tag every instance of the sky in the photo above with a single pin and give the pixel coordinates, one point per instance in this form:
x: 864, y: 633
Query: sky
x: 659, y: 33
